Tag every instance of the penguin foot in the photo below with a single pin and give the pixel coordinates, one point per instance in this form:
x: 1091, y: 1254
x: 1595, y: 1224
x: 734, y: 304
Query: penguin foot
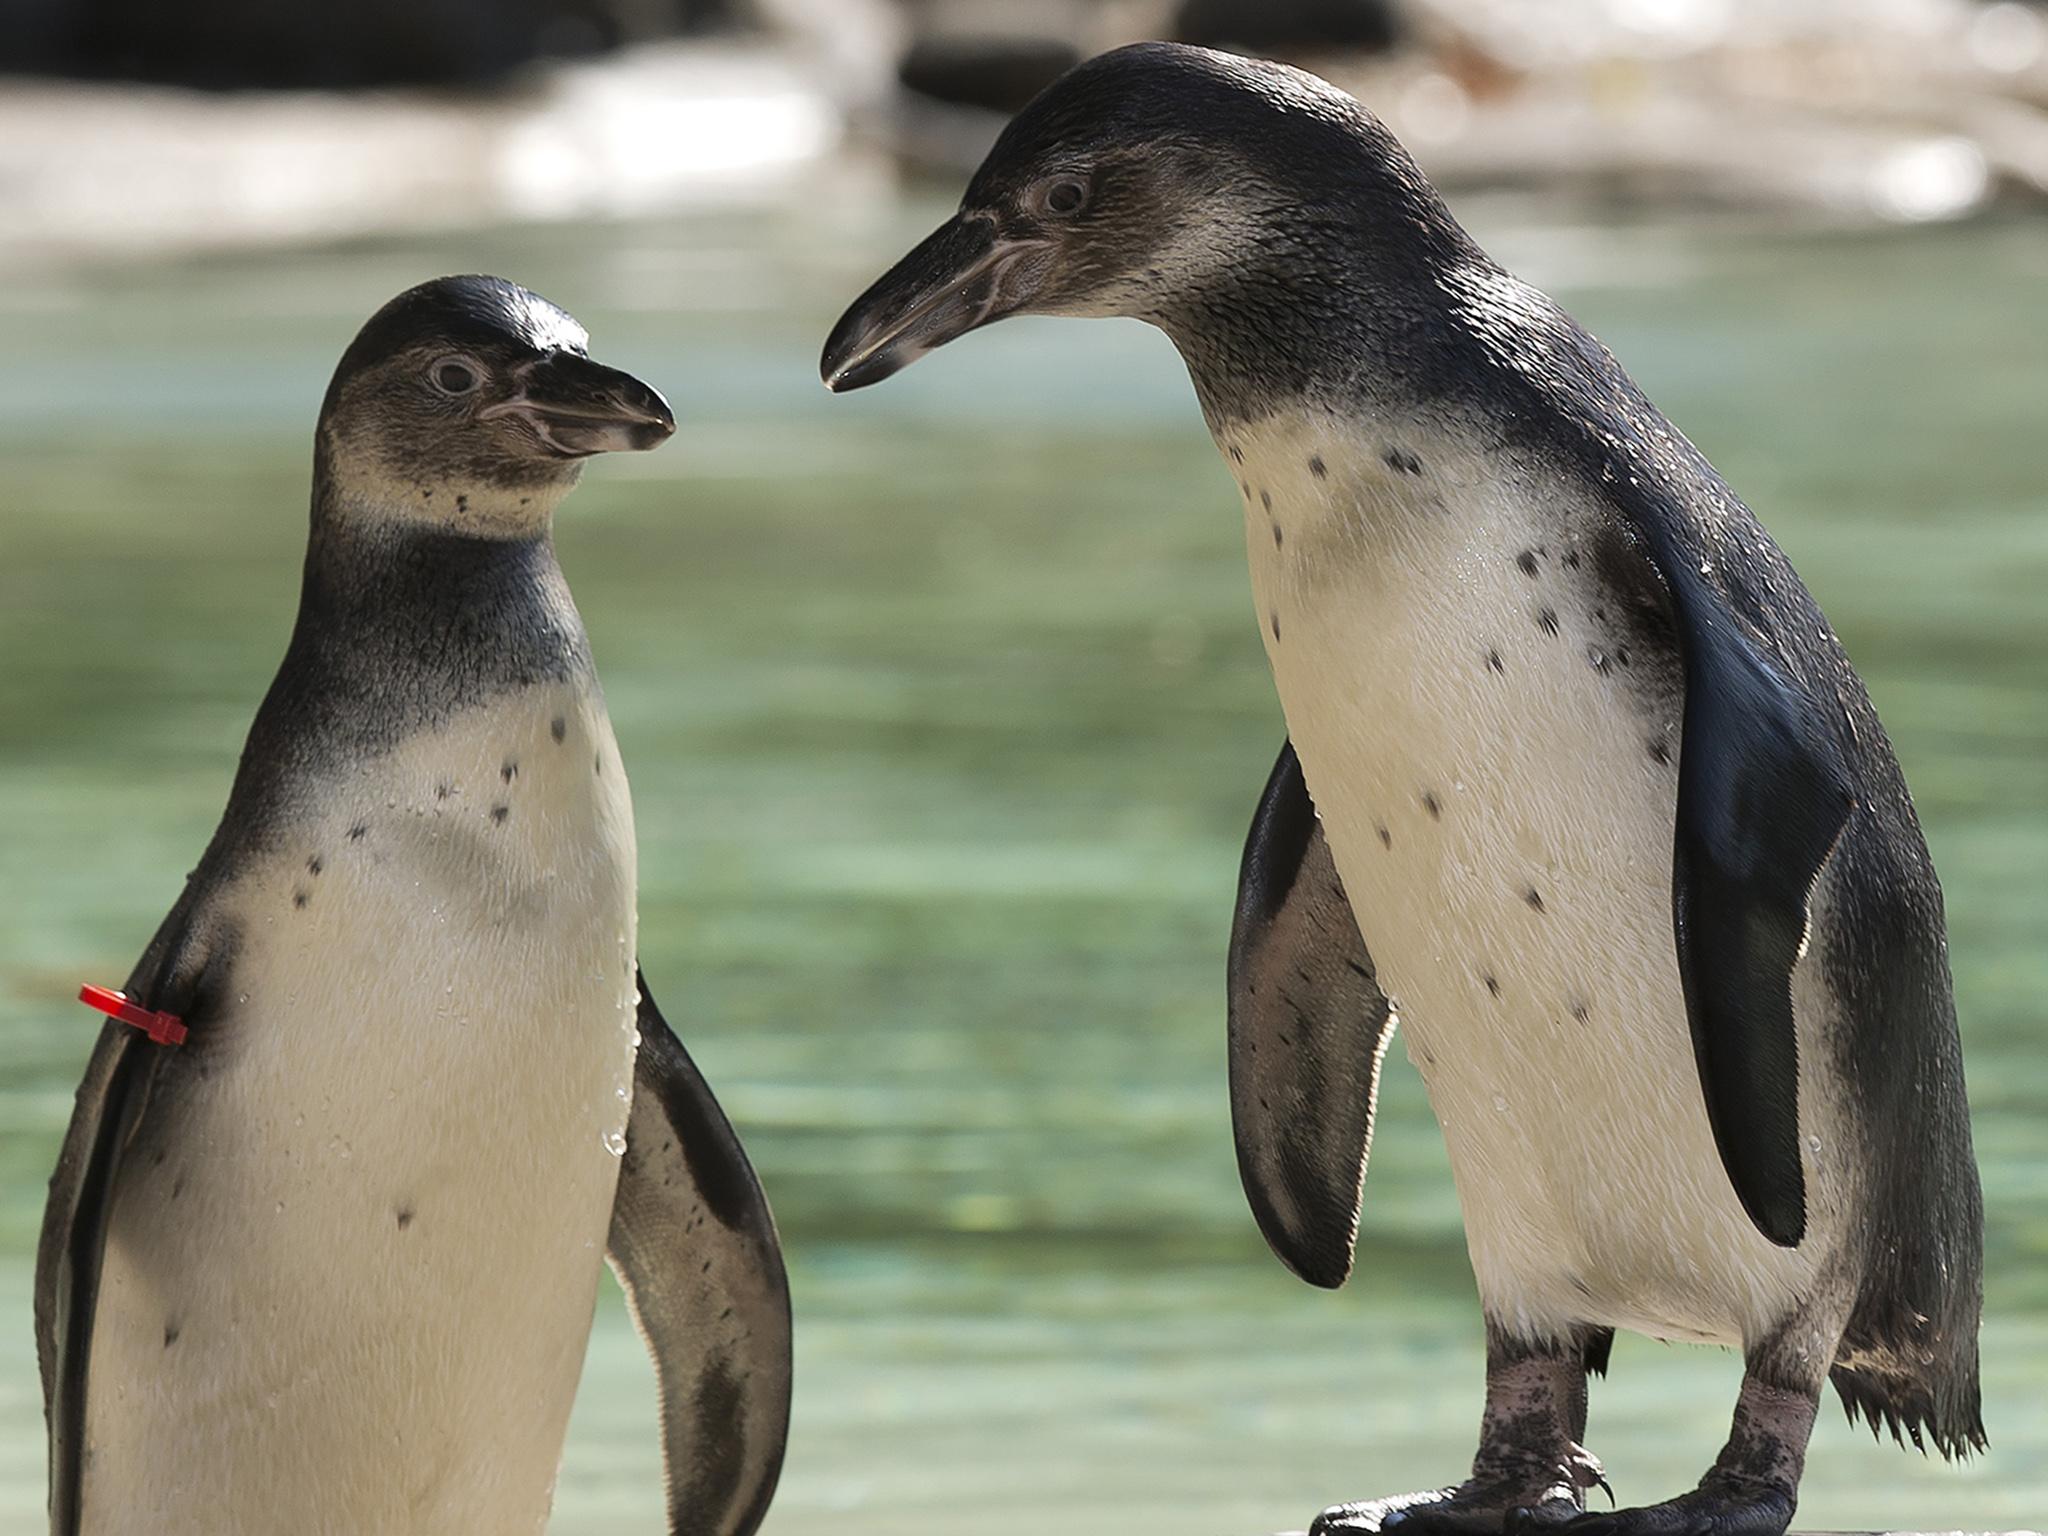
x: 1706, y: 1511
x: 1479, y: 1506
x: 1529, y: 1453
x: 1432, y: 1512
x: 1751, y: 1489
x: 1427, y: 1513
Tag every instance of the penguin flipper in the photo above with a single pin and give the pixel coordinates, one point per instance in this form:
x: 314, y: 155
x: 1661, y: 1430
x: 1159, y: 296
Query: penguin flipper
x: 1308, y: 1026
x: 694, y: 1247
x: 109, y: 1106
x: 1763, y: 795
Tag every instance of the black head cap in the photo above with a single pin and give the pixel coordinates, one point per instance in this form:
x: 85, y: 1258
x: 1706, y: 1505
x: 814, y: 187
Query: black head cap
x: 488, y: 313
x: 1159, y: 99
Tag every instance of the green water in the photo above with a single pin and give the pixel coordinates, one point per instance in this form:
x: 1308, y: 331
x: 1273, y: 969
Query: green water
x: 945, y: 712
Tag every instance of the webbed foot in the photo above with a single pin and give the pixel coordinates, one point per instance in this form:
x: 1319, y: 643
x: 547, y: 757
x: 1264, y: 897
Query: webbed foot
x: 1479, y: 1506
x: 1432, y: 1512
x: 1706, y: 1511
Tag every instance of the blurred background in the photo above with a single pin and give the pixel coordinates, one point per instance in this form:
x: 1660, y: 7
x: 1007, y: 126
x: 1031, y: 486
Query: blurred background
x: 944, y: 705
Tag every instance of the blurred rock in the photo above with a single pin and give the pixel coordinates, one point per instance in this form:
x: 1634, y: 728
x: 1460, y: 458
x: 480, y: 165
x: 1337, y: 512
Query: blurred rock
x: 1288, y: 26
x: 327, y: 44
x: 1900, y: 112
x: 94, y: 170
x: 34, y: 34
x: 1000, y: 73
x: 1815, y: 109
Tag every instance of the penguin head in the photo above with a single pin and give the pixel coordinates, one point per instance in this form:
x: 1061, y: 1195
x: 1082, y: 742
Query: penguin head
x: 1158, y: 181
x: 470, y: 404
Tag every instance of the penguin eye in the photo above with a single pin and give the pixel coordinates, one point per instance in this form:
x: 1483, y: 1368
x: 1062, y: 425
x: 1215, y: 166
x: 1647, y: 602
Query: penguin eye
x: 1063, y: 196
x: 452, y: 376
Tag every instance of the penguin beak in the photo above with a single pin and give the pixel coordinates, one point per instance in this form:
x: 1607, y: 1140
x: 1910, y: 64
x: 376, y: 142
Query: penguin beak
x: 962, y: 276
x: 577, y: 407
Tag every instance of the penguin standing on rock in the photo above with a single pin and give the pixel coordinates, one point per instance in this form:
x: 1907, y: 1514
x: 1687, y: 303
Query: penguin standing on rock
x: 1587, y: 796
x: 326, y: 1264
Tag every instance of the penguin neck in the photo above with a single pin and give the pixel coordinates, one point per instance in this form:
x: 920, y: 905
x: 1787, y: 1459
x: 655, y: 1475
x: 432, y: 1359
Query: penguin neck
x: 402, y: 629
x: 1356, y: 316
x: 394, y: 605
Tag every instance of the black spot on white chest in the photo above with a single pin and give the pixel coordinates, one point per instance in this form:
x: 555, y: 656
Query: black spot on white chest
x: 504, y: 817
x: 1473, y: 591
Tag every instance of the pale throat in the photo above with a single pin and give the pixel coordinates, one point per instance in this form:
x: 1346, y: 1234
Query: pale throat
x: 367, y: 492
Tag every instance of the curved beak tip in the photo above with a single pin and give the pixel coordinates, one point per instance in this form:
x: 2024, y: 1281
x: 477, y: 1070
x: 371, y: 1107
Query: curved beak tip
x: 643, y: 409
x: 642, y: 421
x: 857, y: 352
x: 857, y: 372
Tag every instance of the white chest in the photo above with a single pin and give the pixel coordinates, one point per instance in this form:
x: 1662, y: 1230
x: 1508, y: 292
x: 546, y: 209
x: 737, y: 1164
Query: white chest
x: 377, y: 1226
x: 1497, y: 780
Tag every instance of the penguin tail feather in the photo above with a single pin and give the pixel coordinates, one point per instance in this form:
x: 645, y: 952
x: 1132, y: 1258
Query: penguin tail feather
x: 1944, y: 1413
x: 1599, y: 1344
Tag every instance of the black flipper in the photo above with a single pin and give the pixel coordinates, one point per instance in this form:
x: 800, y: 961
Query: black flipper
x: 174, y: 976
x: 694, y: 1246
x: 1308, y: 1026
x: 1763, y: 794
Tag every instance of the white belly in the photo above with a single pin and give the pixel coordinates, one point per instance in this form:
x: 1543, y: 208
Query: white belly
x: 354, y: 1294
x: 1504, y: 831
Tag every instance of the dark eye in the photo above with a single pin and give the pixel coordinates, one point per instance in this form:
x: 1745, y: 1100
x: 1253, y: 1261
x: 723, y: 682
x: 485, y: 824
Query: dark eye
x: 1065, y: 196
x: 453, y: 378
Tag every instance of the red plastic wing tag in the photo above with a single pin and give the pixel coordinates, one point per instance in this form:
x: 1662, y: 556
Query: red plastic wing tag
x: 163, y: 1028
